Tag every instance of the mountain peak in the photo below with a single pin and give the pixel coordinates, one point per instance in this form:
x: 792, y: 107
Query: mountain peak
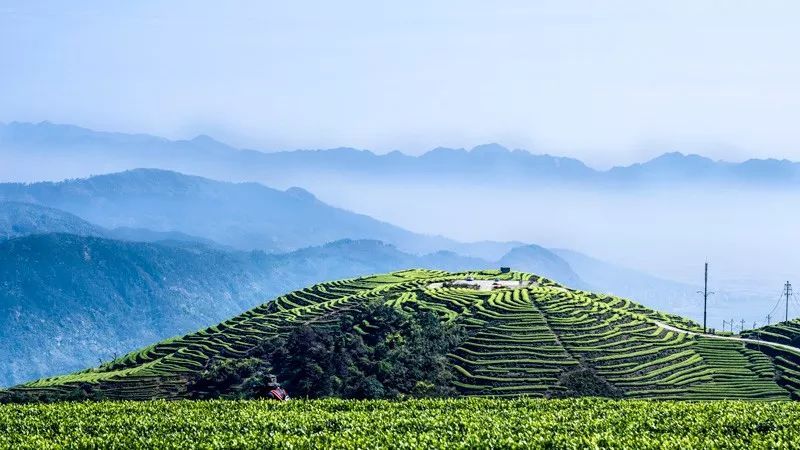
x: 444, y: 152
x: 204, y: 139
x: 301, y: 193
x: 147, y: 172
x: 679, y: 156
x: 490, y: 149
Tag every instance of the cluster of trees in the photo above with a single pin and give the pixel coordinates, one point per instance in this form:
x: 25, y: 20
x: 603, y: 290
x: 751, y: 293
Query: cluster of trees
x: 373, y: 351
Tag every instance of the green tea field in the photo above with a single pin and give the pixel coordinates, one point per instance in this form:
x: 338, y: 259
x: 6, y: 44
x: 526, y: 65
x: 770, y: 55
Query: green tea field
x: 412, y: 424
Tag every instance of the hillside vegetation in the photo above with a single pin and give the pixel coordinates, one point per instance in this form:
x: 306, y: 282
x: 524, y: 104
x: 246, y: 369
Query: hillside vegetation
x: 419, y: 423
x: 786, y: 333
x: 782, y: 333
x: 530, y: 337
x: 67, y: 301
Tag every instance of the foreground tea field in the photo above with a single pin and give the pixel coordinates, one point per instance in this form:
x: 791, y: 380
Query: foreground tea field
x: 451, y: 423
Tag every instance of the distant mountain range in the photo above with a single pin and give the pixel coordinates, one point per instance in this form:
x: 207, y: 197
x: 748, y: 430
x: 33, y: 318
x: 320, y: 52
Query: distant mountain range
x: 64, y: 151
x: 156, y: 205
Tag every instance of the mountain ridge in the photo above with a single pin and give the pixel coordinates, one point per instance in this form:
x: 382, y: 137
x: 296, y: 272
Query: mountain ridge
x: 242, y: 215
x: 127, y: 151
x: 163, y: 200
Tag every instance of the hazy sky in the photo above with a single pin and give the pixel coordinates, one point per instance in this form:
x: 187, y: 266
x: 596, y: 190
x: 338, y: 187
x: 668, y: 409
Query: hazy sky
x: 606, y: 81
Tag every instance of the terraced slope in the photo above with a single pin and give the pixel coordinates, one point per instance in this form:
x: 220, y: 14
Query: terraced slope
x: 782, y: 333
x: 529, y: 337
x: 787, y: 363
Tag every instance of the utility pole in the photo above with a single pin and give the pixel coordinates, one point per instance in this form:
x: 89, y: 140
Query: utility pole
x: 788, y: 292
x: 724, y: 322
x: 705, y: 297
x: 742, y: 328
x: 754, y: 324
x: 731, y: 322
x: 769, y: 316
x: 705, y: 301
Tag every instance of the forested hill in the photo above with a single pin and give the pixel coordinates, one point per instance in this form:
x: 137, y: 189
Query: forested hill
x: 427, y: 332
x: 67, y: 301
x: 19, y: 219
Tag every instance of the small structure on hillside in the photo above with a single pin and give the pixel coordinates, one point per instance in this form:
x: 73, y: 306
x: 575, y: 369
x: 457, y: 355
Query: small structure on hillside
x: 505, y: 269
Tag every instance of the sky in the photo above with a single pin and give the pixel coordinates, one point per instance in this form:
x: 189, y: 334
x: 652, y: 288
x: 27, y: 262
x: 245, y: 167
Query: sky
x: 609, y: 82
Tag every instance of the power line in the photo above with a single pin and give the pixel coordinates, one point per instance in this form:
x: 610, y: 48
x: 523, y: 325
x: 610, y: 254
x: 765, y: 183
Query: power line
x: 781, y: 295
x: 777, y: 303
x: 797, y: 303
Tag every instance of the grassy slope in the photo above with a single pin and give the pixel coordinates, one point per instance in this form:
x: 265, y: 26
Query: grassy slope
x: 524, y: 341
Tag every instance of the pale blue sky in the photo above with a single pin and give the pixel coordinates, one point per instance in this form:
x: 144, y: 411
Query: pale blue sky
x: 606, y: 81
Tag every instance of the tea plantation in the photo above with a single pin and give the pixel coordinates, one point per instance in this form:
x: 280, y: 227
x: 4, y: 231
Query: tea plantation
x: 467, y: 423
x: 525, y: 336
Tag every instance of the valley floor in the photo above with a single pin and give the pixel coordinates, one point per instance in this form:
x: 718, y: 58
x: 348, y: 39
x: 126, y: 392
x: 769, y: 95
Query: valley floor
x: 449, y: 423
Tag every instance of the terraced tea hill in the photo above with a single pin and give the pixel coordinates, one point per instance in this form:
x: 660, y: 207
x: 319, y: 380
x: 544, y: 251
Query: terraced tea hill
x: 782, y: 333
x: 787, y: 366
x: 526, y: 336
